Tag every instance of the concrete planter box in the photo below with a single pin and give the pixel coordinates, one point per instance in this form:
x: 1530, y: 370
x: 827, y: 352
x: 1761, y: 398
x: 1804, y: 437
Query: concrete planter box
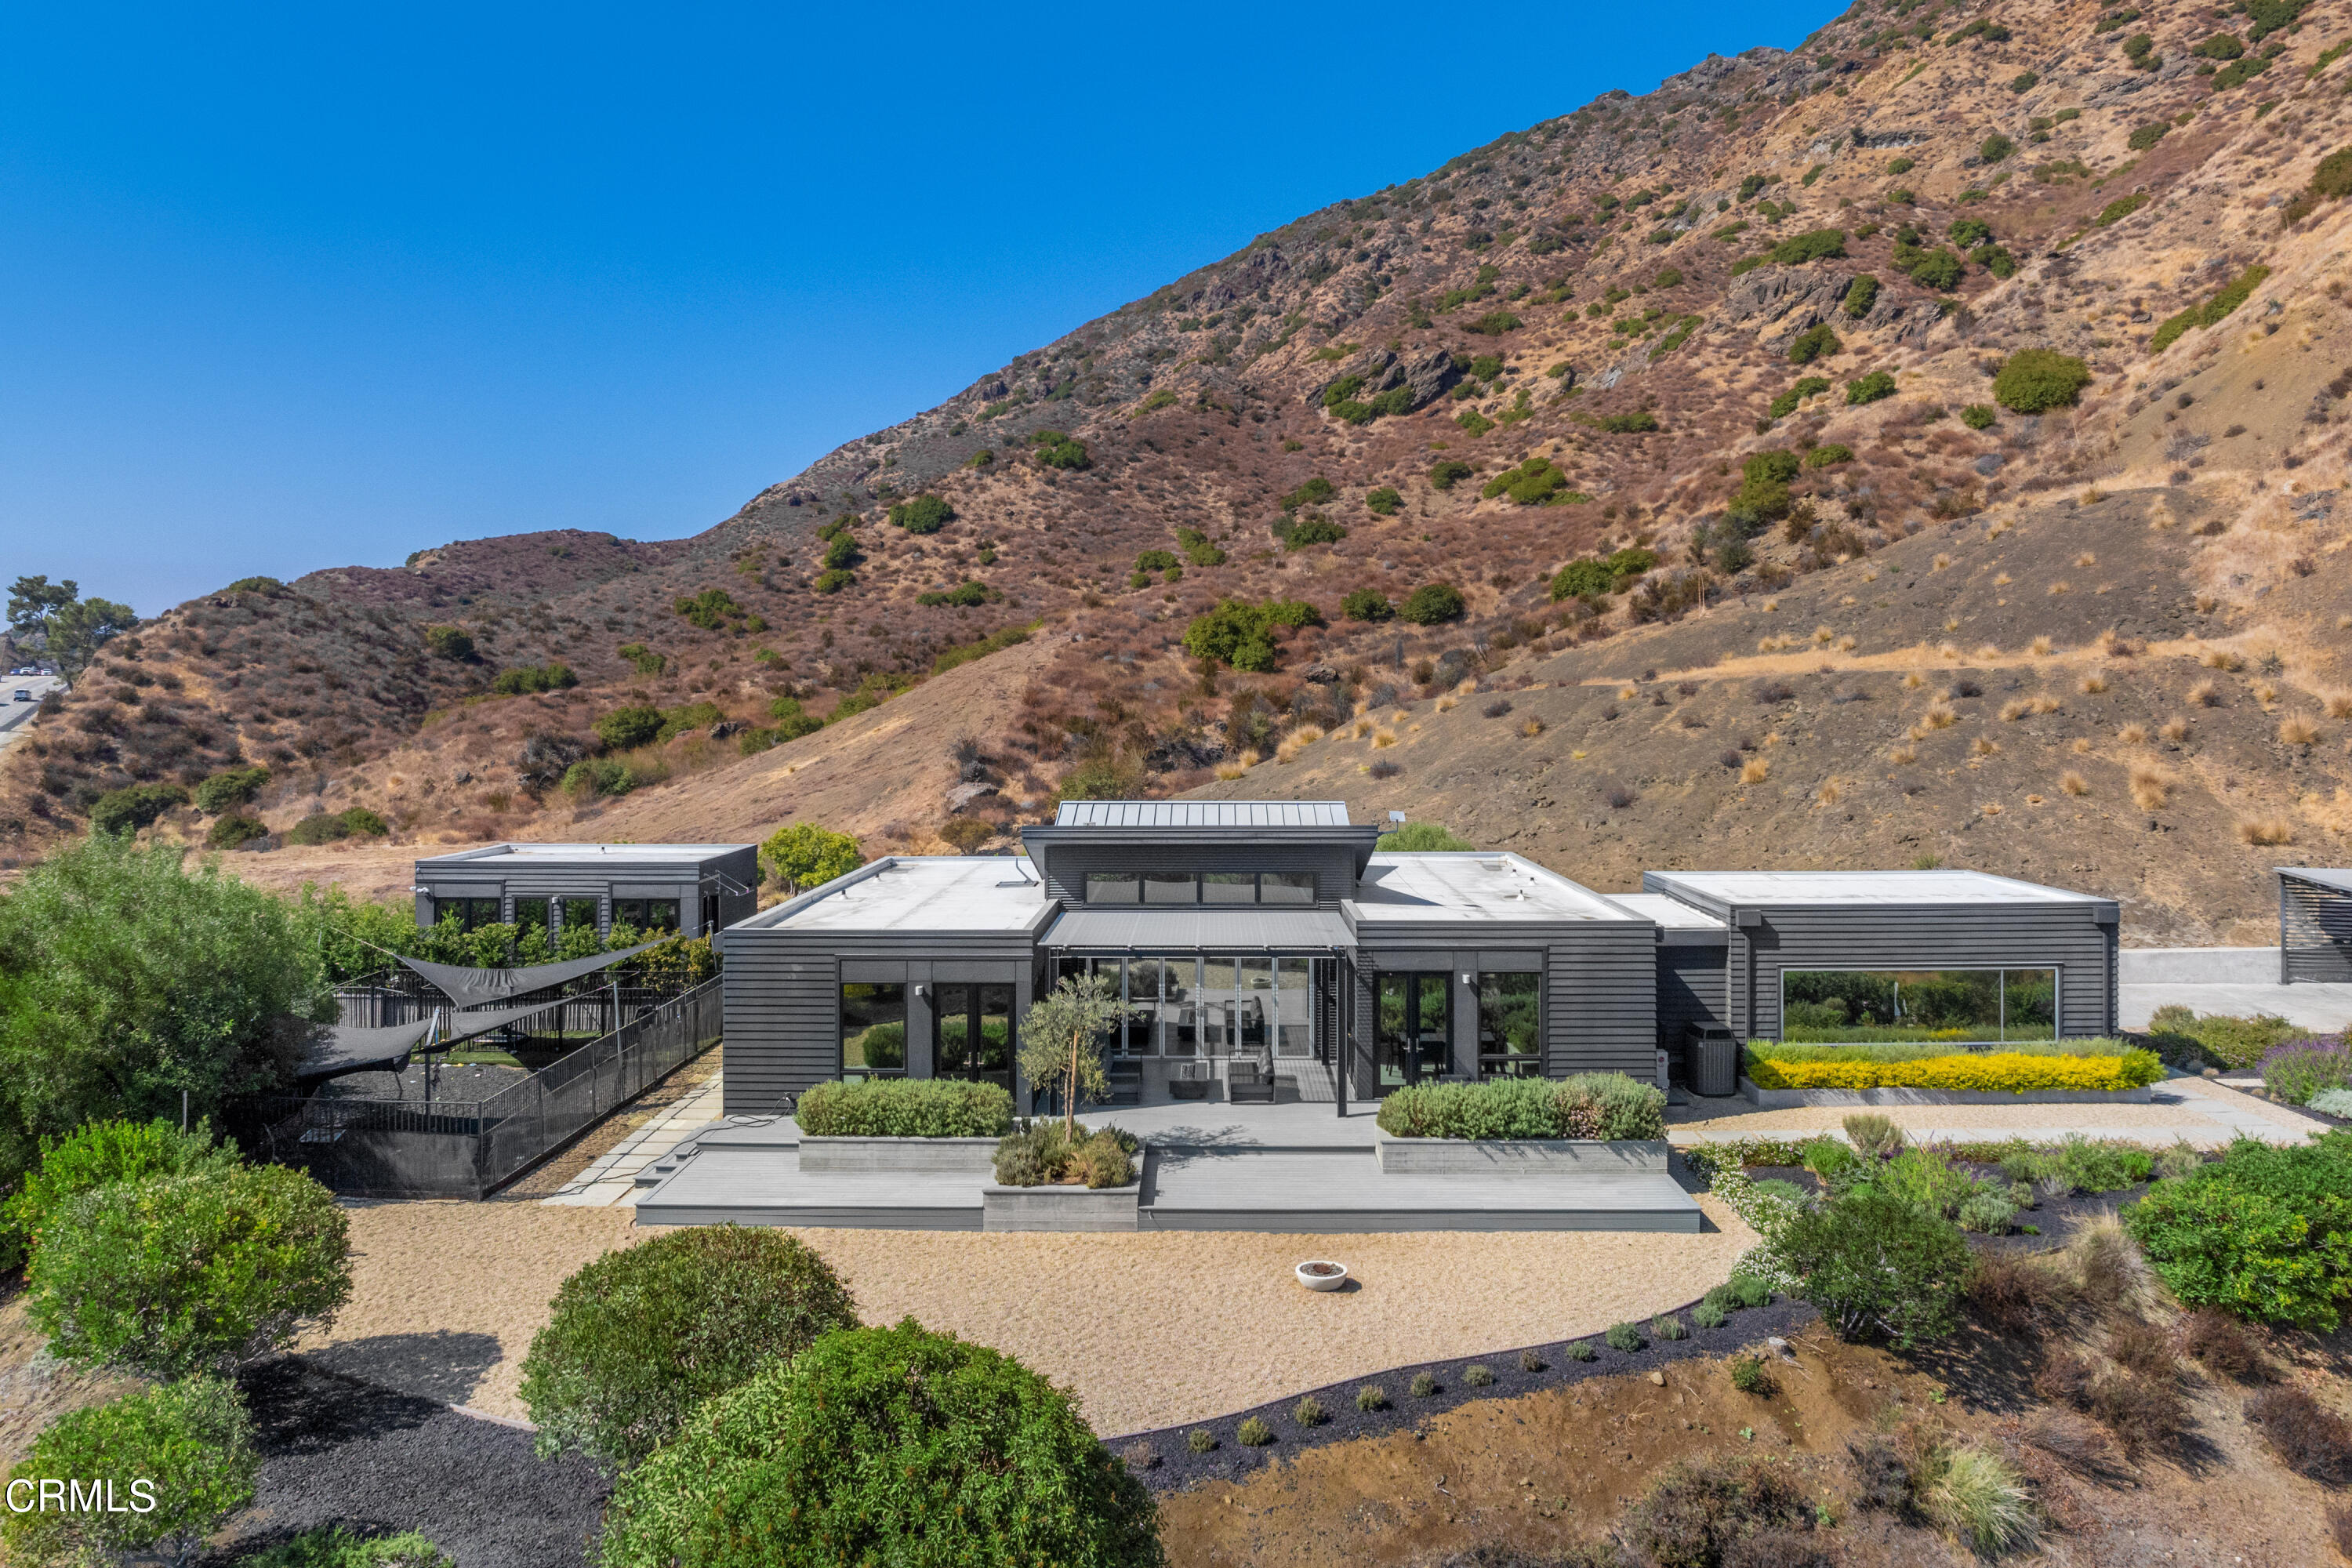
x: 953, y: 1156
x: 1520, y: 1157
x: 1797, y: 1099
x: 1059, y: 1207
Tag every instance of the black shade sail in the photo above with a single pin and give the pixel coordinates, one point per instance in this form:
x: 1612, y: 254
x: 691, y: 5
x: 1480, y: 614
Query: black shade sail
x: 484, y: 987
x: 344, y: 1049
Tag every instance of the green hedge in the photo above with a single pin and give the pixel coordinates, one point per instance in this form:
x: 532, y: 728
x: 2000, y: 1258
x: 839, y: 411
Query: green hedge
x: 1588, y: 1105
x: 639, y: 1337
x: 184, y: 1452
x: 2265, y: 1231
x: 906, y: 1108
x: 884, y: 1446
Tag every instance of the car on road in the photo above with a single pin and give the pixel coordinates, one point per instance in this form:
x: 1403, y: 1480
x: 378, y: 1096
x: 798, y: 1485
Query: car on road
x: 23, y: 695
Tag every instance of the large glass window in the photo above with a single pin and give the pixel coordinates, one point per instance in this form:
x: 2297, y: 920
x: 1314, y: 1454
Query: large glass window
x: 1509, y: 1026
x: 1958, y: 1006
x: 1217, y: 987
x: 1168, y: 888
x: 578, y: 913
x: 1113, y: 887
x: 1294, y: 1022
x: 647, y: 915
x: 1285, y: 887
x: 471, y: 915
x: 974, y: 1033
x: 873, y: 1031
x: 1229, y: 887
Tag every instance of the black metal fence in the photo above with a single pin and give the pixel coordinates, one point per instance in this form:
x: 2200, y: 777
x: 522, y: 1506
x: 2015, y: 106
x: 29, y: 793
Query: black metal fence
x: 467, y: 1149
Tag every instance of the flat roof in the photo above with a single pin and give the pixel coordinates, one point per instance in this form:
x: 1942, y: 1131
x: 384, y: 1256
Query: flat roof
x: 916, y: 893
x: 1202, y: 813
x: 2339, y: 881
x: 1859, y: 887
x: 584, y: 852
x: 1472, y: 886
x: 1672, y: 913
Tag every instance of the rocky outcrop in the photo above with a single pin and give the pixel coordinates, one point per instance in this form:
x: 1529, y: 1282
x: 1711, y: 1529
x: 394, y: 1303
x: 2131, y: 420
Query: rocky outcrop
x: 1427, y: 374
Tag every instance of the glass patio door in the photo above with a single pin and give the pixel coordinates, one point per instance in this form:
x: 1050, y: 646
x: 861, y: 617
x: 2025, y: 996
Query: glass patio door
x: 974, y: 1034
x: 1413, y: 1040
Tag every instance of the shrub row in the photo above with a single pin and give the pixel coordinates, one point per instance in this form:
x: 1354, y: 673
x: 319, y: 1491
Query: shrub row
x: 1587, y: 1105
x: 905, y: 1108
x: 2002, y: 1072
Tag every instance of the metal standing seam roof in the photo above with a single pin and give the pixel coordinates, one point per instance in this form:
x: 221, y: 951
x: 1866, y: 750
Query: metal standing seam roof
x: 2340, y: 882
x: 1197, y: 931
x: 1202, y: 813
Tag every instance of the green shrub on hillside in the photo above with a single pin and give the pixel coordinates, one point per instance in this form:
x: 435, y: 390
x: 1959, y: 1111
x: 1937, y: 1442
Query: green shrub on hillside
x: 639, y: 1337
x: 1870, y: 388
x: 1536, y: 483
x: 1862, y: 296
x: 1446, y: 471
x: 1493, y: 324
x: 333, y: 826
x: 1977, y: 415
x: 1641, y: 421
x: 1197, y: 550
x: 1242, y: 635
x: 1367, y: 604
x: 1828, y: 454
x: 2331, y: 181
x: 1995, y: 147
x: 1382, y: 501
x: 127, y: 810
x: 230, y: 787
x: 1433, y: 603
x: 100, y: 1153
x: 2231, y: 296
x: 1806, y: 386
x: 525, y: 679
x: 626, y: 729
x: 1876, y: 1265
x: 1813, y: 343
x: 2032, y: 380
x: 922, y: 514
x: 2147, y: 136
x: 177, y: 1275
x: 234, y: 831
x: 965, y: 594
x: 711, y: 609
x: 1056, y: 449
x: 884, y: 1444
x: 450, y: 643
x: 1813, y: 245
x: 2122, y: 207
x: 1612, y: 573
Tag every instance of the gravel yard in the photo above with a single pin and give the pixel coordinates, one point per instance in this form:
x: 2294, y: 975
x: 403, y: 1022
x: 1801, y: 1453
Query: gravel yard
x: 1149, y: 1330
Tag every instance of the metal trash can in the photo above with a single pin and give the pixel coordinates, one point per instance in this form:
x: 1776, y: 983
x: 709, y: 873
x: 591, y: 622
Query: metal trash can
x: 1714, y: 1057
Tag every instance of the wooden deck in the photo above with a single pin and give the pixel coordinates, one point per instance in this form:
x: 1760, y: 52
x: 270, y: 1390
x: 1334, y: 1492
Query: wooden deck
x: 1238, y: 1168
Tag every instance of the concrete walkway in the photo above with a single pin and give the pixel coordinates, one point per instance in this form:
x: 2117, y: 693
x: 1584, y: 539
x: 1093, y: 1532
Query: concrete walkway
x: 2238, y: 981
x: 2207, y: 1115
x: 612, y: 1179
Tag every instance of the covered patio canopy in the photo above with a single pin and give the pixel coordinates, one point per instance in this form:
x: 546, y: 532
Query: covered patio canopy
x: 345, y: 1049
x: 481, y: 987
x: 1200, y: 931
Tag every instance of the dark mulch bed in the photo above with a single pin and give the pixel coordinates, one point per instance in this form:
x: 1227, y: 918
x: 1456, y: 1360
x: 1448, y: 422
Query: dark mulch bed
x: 338, y: 1451
x: 1174, y: 1466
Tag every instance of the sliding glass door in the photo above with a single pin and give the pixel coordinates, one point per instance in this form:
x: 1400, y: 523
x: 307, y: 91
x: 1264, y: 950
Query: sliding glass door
x: 1413, y: 1040
x: 974, y: 1036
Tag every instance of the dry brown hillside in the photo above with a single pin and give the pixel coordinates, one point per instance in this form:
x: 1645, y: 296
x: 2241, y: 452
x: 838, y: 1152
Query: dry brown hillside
x: 1914, y: 198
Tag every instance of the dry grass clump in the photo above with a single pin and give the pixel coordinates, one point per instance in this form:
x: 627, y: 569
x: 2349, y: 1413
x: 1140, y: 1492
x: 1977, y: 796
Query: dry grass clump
x: 2092, y: 685
x: 1938, y: 563
x: 2259, y: 831
x: 2087, y: 559
x: 2150, y: 788
x: 1939, y: 717
x: 1231, y: 770
x: 1830, y: 793
x: 2073, y: 783
x: 1823, y: 637
x: 2295, y: 729
x: 2205, y: 694
x: 2220, y: 1343
x: 1848, y: 643
x: 2041, y: 645
x: 1991, y: 808
x: 2017, y: 1292
x: 2340, y: 705
x: 1382, y: 739
x: 2133, y: 735
x: 2015, y: 709
x: 1447, y: 704
x: 1755, y: 770
x: 2309, y: 1439
x: 1914, y: 680
x: 2220, y: 659
x: 2060, y: 588
x: 1904, y: 754
x: 2174, y: 729
x: 2265, y: 692
x: 2080, y: 745
x: 2077, y: 1444
x: 1532, y: 728
x: 1984, y: 746
x: 1627, y: 692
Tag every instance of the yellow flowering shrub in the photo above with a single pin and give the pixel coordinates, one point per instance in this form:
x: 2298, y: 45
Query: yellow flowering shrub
x: 1996, y: 1072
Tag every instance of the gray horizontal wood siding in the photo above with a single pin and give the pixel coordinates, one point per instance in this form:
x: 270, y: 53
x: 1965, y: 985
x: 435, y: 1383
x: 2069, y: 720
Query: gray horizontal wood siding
x: 2001, y: 936
x: 1066, y: 865
x: 783, y: 1023
x: 2314, y: 931
x: 1690, y: 991
x: 1600, y: 996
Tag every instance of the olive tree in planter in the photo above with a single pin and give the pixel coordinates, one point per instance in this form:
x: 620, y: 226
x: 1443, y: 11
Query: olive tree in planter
x: 1061, y: 1040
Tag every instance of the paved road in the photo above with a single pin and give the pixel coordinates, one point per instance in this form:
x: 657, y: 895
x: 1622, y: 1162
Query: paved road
x: 16, y: 718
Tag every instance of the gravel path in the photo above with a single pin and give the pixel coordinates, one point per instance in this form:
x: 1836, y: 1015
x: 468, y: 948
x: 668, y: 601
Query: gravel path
x: 1149, y: 1330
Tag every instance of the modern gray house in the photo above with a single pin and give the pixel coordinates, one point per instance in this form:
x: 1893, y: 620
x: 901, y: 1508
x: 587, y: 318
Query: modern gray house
x: 1268, y: 946
x: 694, y: 889
x: 2314, y: 924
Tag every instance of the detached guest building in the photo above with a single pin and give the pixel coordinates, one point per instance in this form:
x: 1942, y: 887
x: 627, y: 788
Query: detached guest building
x: 1266, y: 947
x: 694, y: 889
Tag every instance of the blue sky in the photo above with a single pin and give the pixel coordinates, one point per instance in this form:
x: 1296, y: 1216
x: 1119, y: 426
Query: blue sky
x: 283, y: 289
